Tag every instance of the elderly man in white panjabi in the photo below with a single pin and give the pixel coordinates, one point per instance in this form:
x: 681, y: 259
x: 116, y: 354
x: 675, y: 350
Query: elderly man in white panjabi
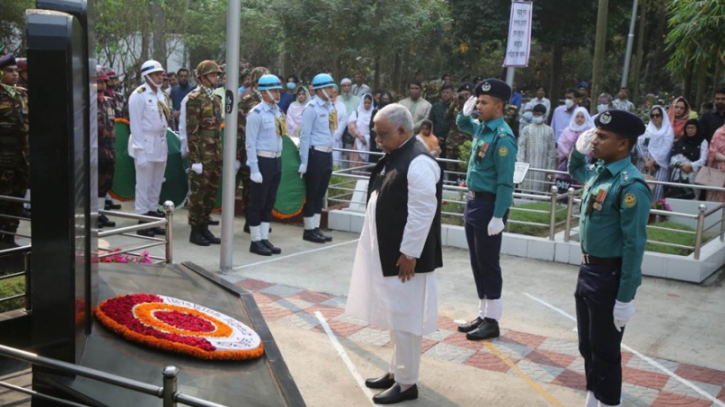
x: 393, y: 282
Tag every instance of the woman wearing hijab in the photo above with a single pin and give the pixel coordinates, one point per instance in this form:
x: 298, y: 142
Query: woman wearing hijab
x: 359, y: 127
x: 716, y: 159
x: 653, y: 149
x: 580, y: 122
x: 386, y: 98
x: 679, y: 114
x: 294, y: 113
x: 688, y: 155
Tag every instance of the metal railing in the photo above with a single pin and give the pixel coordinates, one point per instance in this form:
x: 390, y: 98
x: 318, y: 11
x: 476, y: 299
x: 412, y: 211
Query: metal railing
x: 150, y: 222
x: 568, y: 199
x: 25, y: 251
x: 19, y: 218
x: 168, y: 393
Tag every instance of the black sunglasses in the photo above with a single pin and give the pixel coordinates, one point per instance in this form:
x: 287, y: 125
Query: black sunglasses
x: 655, y: 115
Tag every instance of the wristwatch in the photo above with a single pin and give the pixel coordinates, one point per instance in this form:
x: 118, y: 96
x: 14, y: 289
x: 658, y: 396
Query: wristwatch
x: 409, y: 257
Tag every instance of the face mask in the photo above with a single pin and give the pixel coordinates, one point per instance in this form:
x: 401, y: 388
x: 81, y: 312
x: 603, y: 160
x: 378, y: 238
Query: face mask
x: 569, y: 103
x: 602, y: 108
x: 291, y: 85
x: 382, y: 104
x: 528, y: 116
x: 538, y: 120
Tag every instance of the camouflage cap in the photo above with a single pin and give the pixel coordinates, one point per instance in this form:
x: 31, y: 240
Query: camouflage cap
x: 257, y: 73
x: 207, y: 67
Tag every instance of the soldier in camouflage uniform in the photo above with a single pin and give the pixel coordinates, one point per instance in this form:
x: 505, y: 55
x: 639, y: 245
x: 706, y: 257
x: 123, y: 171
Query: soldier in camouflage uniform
x: 457, y: 137
x: 14, y: 146
x: 250, y: 98
x: 203, y: 131
x: 106, y: 145
x: 118, y: 101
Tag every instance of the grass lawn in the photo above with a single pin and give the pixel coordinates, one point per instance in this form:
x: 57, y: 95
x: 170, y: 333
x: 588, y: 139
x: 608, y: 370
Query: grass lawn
x: 670, y: 237
x: 515, y: 215
x: 10, y: 287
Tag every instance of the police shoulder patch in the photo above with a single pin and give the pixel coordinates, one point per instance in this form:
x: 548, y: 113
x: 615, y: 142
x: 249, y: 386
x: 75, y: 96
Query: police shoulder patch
x: 503, y: 151
x: 630, y: 200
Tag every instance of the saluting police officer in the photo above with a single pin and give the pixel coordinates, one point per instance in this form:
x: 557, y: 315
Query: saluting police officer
x: 319, y: 122
x: 265, y: 128
x: 613, y: 229
x: 490, y: 194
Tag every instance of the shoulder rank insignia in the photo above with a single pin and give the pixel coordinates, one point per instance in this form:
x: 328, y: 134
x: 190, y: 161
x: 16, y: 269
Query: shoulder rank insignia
x: 630, y: 200
x: 141, y: 89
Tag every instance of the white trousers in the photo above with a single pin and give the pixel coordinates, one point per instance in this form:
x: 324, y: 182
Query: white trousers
x: 149, y: 179
x: 405, y: 364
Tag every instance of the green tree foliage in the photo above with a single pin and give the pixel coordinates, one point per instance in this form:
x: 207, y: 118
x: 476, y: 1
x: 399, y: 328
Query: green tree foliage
x: 12, y: 23
x: 697, y: 30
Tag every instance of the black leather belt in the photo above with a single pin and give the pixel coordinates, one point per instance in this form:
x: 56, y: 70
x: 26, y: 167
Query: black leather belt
x: 482, y: 195
x: 590, y: 260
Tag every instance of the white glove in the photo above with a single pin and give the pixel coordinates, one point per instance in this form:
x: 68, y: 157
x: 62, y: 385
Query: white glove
x: 302, y: 170
x: 184, y: 151
x: 623, y: 312
x: 256, y: 177
x: 495, y: 226
x: 237, y: 165
x: 141, y: 161
x: 197, y: 168
x: 470, y: 105
x: 584, y: 142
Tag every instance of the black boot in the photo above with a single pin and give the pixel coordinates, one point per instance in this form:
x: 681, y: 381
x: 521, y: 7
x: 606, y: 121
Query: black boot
x: 487, y: 330
x: 212, y: 222
x: 197, y: 237
x: 210, y: 236
x: 311, y: 236
x: 259, y: 248
x: 9, y: 239
x: 145, y: 232
x: 270, y: 246
x: 319, y: 232
x: 110, y: 206
x: 246, y: 227
x: 103, y: 221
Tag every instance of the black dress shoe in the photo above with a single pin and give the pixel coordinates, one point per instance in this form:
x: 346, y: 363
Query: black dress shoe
x: 156, y: 214
x: 395, y: 395
x: 383, y: 382
x: 311, y: 236
x: 212, y: 222
x: 468, y: 327
x: 319, y: 232
x: 110, y: 206
x: 271, y: 247
x: 159, y: 231
x: 103, y: 221
x: 26, y: 213
x: 487, y: 330
x: 146, y: 232
x: 259, y: 248
x: 210, y: 236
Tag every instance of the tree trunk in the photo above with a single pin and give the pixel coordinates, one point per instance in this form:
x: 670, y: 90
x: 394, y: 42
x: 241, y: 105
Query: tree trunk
x: 640, y: 50
x: 659, y: 77
x: 396, y: 71
x: 557, y: 62
x: 376, y: 80
x: 599, y: 50
x: 159, y: 32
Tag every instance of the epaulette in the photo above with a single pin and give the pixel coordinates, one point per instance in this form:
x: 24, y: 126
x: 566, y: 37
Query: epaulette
x: 141, y: 89
x: 194, y: 94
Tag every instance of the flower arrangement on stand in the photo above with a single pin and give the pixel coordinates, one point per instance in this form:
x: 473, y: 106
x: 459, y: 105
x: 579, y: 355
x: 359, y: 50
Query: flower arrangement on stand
x: 144, y: 258
x: 660, y: 205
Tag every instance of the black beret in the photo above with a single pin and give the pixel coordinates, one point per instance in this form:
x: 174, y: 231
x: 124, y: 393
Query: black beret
x: 466, y: 86
x: 494, y: 87
x: 465, y: 78
x: 620, y: 122
x: 540, y: 108
x: 7, y: 60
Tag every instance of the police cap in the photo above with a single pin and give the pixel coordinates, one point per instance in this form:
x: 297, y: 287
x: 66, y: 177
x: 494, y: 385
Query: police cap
x: 494, y: 87
x: 466, y: 86
x: 620, y: 122
x: 7, y: 60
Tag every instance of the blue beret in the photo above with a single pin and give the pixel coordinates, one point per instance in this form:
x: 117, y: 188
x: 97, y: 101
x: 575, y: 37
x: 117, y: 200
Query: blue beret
x: 7, y: 60
x: 494, y: 87
x: 620, y: 122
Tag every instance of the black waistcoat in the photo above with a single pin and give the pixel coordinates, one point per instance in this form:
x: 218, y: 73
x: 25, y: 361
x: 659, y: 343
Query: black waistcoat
x: 390, y: 180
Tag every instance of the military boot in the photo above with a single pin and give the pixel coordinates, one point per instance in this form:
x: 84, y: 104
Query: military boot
x: 210, y: 236
x: 103, y: 221
x: 110, y: 206
x: 197, y: 236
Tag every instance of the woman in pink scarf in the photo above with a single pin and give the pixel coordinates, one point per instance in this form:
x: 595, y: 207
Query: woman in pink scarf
x: 716, y: 159
x: 679, y: 114
x: 580, y: 122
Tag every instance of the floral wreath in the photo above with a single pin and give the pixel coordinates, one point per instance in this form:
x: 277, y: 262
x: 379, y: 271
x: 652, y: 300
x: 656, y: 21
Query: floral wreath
x: 180, y: 326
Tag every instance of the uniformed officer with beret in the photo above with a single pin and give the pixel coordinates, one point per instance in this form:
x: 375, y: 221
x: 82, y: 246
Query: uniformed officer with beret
x: 613, y: 228
x: 490, y: 194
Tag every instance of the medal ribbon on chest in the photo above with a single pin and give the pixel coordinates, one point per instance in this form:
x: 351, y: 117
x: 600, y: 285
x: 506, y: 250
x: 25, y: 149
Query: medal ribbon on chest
x: 482, y: 151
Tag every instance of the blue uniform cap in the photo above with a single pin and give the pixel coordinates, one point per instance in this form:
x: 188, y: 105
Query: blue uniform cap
x: 269, y: 82
x: 322, y: 80
x: 494, y: 87
x: 620, y: 122
x: 7, y: 60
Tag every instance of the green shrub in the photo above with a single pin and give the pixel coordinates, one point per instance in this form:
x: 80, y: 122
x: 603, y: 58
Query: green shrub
x: 8, y: 288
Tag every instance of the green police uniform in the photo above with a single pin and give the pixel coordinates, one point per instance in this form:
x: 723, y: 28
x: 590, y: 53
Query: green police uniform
x: 615, y: 210
x: 493, y: 159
